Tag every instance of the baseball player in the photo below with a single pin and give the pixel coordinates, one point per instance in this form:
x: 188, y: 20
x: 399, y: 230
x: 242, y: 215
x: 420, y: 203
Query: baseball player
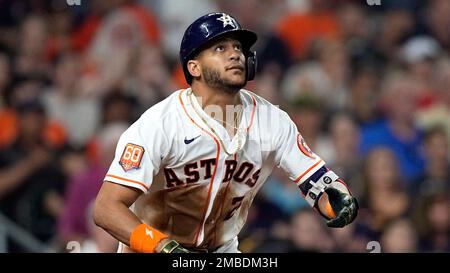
x: 183, y: 179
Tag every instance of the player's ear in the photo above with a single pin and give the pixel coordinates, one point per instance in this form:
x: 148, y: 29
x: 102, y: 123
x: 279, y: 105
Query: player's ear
x: 193, y: 67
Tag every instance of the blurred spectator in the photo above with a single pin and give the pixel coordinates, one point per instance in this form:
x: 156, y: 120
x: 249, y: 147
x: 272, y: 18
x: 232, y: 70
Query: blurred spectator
x: 395, y: 26
x: 76, y: 223
x: 325, y: 77
x: 31, y: 58
x: 283, y: 193
x: 343, y: 156
x: 5, y: 76
x: 354, y: 23
x: 400, y: 236
x: 305, y: 111
x: 73, y: 161
x: 6, y: 116
x: 25, y: 89
x: 398, y: 132
x: 174, y: 21
x: 438, y: 113
x: 419, y: 54
x: 60, y: 24
x: 13, y: 12
x: 436, y: 177
x: 85, y: 31
x: 308, y: 233
x: 121, y: 33
x: 348, y: 239
x: 364, y: 93
x: 435, y: 21
x: 410, y: 5
x: 433, y: 222
x: 150, y: 80
x: 31, y: 180
x: 300, y: 29
x: 266, y: 229
x: 80, y: 115
x: 305, y: 232
x: 385, y: 194
x: 117, y: 107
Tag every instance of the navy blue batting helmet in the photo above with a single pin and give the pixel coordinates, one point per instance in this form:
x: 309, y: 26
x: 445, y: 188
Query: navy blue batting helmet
x: 212, y: 26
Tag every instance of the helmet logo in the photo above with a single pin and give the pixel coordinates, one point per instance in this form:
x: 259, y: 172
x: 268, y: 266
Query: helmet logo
x: 227, y: 20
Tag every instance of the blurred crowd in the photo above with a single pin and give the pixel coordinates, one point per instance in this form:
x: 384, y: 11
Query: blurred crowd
x: 367, y: 86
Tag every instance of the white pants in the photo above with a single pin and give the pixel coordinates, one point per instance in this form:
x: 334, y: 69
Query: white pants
x: 229, y: 247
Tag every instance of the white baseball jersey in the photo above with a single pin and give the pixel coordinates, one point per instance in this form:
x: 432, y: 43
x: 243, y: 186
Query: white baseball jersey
x: 193, y: 190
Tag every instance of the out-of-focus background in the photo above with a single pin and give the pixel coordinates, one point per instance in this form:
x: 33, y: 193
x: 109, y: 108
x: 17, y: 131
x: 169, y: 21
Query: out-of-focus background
x: 367, y: 85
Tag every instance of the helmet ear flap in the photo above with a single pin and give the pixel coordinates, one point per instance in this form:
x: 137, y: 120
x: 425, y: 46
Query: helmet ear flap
x: 251, y: 64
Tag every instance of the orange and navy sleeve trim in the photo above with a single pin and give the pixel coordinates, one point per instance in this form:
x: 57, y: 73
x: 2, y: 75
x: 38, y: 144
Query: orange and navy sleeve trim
x: 126, y: 181
x: 300, y: 179
x: 305, y: 187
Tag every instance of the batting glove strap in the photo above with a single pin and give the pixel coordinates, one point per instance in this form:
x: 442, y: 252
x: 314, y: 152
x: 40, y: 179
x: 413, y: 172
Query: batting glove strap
x: 173, y: 247
x: 314, y: 189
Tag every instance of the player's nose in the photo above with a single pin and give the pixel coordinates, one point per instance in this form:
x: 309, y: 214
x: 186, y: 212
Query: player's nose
x: 236, y: 61
x: 233, y: 53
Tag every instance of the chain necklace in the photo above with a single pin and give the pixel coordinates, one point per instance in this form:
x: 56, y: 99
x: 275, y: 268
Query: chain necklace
x: 236, y: 119
x: 240, y: 133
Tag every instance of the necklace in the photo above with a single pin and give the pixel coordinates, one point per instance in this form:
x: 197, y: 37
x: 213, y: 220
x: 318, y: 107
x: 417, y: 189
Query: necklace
x: 236, y: 120
x: 239, y: 138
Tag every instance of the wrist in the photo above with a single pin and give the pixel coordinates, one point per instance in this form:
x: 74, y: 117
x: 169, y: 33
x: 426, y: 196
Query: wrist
x: 146, y: 239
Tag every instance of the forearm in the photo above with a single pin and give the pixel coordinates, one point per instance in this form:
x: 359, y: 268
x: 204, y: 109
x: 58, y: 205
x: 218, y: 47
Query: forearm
x: 112, y: 213
x: 124, y: 225
x: 117, y: 219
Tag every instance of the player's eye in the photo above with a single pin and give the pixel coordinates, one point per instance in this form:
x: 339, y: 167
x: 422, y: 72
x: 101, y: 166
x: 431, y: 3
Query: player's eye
x: 220, y: 48
x: 238, y: 47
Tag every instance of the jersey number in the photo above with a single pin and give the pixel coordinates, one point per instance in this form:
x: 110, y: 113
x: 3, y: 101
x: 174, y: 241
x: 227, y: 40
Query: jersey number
x: 237, y: 202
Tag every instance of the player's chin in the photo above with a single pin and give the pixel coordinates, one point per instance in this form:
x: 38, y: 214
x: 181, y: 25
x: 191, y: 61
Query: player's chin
x: 237, y: 79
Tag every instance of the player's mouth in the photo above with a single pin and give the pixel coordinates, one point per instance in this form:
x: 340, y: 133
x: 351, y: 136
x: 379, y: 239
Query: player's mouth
x: 236, y: 67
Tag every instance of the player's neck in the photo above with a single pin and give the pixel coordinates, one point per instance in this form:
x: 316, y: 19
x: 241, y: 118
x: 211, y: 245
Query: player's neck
x: 207, y: 96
